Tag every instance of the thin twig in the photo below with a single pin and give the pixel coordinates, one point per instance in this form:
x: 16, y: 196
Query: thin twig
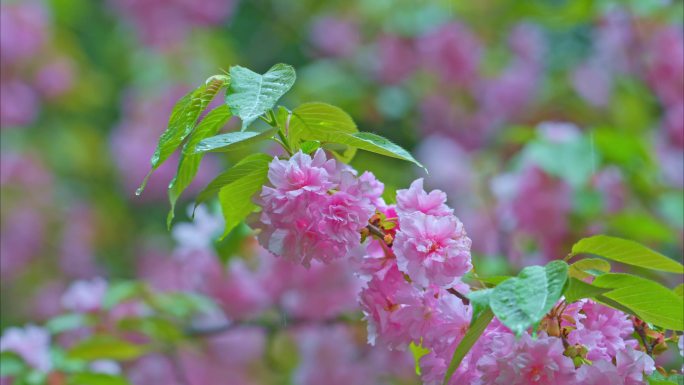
x: 458, y: 294
x: 639, y: 329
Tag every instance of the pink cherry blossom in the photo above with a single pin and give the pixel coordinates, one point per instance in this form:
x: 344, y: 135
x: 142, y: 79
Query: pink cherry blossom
x: 443, y: 319
x: 397, y: 58
x: 389, y: 305
x: 416, y: 199
x: 632, y: 364
x: 531, y: 361
x: 32, y: 343
x: 453, y: 52
x: 604, y: 331
x: 19, y: 103
x: 432, y: 249
x: 329, y: 356
x: 85, y: 296
x: 24, y: 30
x: 321, y: 292
x: 600, y: 372
x: 314, y: 208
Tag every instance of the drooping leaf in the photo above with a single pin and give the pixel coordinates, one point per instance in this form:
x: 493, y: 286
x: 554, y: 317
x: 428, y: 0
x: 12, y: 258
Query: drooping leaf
x: 589, y: 267
x: 236, y: 198
x: 649, y: 300
x: 250, y: 94
x: 106, y: 347
x: 522, y: 301
x: 233, y: 140
x: 577, y: 290
x: 329, y: 124
x: 476, y: 329
x: 97, y: 379
x: 182, y: 121
x: 628, y: 252
x: 379, y: 145
x: 189, y: 161
x: 252, y: 164
x: 316, y: 118
x: 418, y: 351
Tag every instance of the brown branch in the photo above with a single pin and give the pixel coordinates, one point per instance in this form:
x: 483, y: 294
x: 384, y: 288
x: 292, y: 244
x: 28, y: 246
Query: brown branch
x: 641, y: 332
x: 458, y: 294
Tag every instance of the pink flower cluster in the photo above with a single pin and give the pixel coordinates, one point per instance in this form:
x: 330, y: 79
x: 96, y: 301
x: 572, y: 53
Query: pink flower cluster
x: 431, y: 246
x: 31, y: 72
x: 412, y: 264
x: 500, y: 358
x: 315, y: 208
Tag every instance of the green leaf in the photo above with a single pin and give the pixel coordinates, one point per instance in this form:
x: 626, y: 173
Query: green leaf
x: 326, y: 123
x: 480, y: 301
x: 379, y: 145
x: 182, y: 305
x: 628, y: 252
x: 522, y: 301
x: 476, y: 329
x: 643, y: 226
x: 106, y: 347
x: 310, y: 120
x: 97, y: 379
x: 577, y: 290
x: 11, y: 364
x: 589, y: 267
x: 183, y: 117
x: 236, y: 198
x: 233, y: 140
x: 157, y: 328
x: 121, y: 291
x: 309, y: 146
x: 647, y: 299
x: 232, y: 244
x: 255, y: 163
x: 189, y: 161
x: 493, y: 280
x: 250, y: 95
x: 679, y: 290
x: 65, y: 322
x: 418, y: 351
x: 658, y: 379
x: 283, y: 352
x: 554, y: 158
